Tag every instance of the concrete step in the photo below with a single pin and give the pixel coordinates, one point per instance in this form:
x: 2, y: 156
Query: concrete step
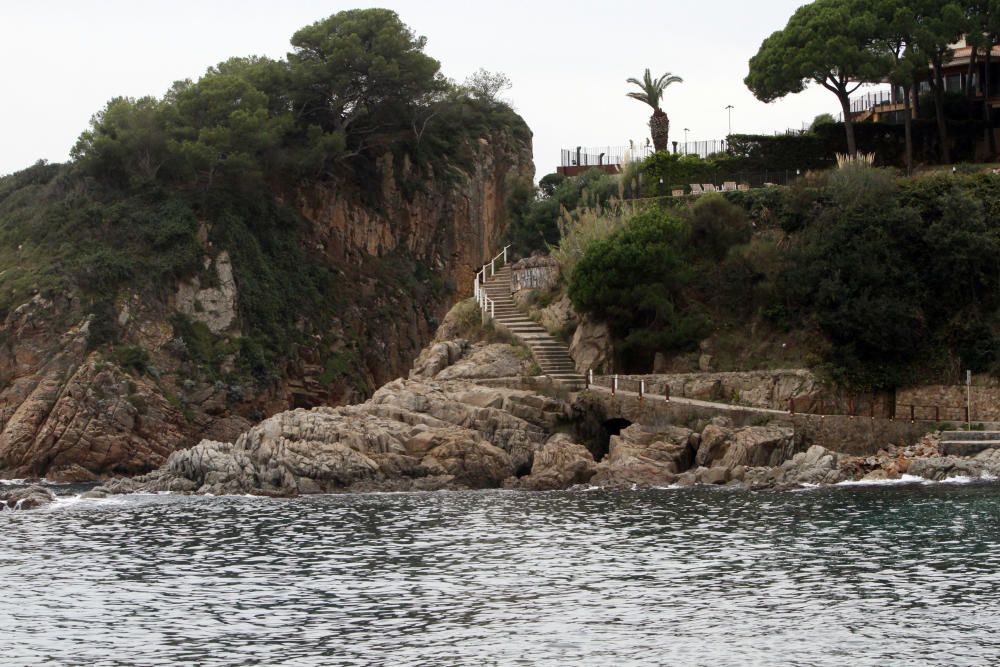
x: 967, y: 447
x: 966, y: 436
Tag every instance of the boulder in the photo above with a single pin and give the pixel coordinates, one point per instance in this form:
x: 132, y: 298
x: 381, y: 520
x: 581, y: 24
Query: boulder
x: 489, y: 361
x: 748, y: 446
x: 25, y: 498
x: 646, y: 457
x: 437, y: 357
x: 592, y: 346
x: 559, y: 464
x: 559, y: 315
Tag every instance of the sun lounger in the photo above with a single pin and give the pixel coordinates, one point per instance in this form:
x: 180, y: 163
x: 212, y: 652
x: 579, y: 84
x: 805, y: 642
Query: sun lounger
x: 743, y: 187
x: 729, y: 186
x: 709, y: 187
x: 677, y: 193
x: 696, y: 189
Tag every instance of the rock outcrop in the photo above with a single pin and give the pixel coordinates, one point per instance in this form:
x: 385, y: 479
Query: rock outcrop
x: 25, y: 498
x: 411, y: 435
x: 592, y: 346
x: 75, y: 407
x: 560, y: 464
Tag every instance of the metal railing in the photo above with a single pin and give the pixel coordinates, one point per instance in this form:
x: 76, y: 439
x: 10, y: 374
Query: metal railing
x: 603, y: 155
x: 853, y: 407
x: 871, y: 100
x: 701, y: 148
x: 486, y: 304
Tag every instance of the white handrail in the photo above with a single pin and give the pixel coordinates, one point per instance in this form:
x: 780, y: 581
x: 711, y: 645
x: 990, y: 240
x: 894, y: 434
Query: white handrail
x: 486, y: 304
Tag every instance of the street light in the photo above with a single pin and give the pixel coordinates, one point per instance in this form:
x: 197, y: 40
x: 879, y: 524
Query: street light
x: 730, y: 110
x: 686, y: 135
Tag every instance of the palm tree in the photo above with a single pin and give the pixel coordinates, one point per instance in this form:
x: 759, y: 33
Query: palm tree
x: 652, y: 92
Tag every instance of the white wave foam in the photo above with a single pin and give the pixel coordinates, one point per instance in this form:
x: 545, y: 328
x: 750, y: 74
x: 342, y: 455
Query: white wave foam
x: 905, y: 479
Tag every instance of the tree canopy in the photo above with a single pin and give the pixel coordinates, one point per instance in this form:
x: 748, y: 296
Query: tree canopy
x: 827, y: 42
x: 355, y: 86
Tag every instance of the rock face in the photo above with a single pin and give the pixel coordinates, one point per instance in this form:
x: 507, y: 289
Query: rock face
x: 26, y: 498
x: 750, y: 446
x: 645, y: 457
x: 559, y: 464
x: 592, y: 346
x: 215, y: 307
x: 412, y: 435
x: 73, y: 408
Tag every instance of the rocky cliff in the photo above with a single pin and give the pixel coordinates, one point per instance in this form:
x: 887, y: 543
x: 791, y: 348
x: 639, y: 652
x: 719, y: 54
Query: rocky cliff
x: 75, y: 407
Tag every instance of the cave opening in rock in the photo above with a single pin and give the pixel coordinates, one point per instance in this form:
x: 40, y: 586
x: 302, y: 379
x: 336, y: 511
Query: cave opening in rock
x: 609, y: 428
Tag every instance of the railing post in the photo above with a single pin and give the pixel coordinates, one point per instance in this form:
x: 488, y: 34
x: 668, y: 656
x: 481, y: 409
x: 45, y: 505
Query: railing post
x: 590, y: 377
x: 614, y: 385
x: 666, y: 391
x: 493, y: 267
x: 913, y: 413
x: 791, y: 406
x: 642, y: 389
x: 505, y: 255
x: 493, y: 309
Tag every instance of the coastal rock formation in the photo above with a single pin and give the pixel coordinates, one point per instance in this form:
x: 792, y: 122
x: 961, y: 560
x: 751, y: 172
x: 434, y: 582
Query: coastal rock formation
x: 647, y: 457
x: 750, y: 446
x: 411, y: 435
x: 76, y: 407
x: 25, y: 498
x: 592, y: 346
x: 559, y: 464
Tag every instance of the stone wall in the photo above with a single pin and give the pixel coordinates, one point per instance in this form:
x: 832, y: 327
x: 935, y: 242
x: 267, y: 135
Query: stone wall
x: 759, y: 389
x: 948, y: 402
x: 539, y: 272
x: 856, y: 436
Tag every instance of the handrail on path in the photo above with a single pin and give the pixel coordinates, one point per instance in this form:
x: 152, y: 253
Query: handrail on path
x: 486, y: 304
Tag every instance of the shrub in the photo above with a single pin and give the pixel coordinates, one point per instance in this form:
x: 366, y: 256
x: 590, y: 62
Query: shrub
x: 716, y: 226
x: 633, y: 280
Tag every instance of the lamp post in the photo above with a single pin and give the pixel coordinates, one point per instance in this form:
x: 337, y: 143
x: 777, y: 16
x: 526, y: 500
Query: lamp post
x: 686, y: 138
x: 730, y: 108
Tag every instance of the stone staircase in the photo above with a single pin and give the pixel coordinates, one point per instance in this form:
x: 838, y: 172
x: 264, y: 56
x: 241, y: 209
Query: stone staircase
x: 551, y: 355
x: 968, y: 443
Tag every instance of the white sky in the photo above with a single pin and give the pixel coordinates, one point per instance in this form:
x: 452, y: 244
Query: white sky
x: 568, y: 60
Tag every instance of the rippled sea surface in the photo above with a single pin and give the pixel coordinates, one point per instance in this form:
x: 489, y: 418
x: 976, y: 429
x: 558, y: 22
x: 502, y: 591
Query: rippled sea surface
x: 889, y: 575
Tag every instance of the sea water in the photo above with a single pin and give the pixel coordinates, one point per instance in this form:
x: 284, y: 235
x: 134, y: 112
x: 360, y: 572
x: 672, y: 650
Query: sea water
x: 904, y: 574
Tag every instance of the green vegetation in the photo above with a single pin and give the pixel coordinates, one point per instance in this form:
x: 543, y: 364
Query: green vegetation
x: 157, y: 184
x: 538, y: 214
x: 842, y: 44
x: 651, y: 92
x: 880, y: 281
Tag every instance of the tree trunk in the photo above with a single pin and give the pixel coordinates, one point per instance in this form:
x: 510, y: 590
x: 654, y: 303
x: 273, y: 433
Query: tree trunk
x: 908, y: 128
x: 991, y: 139
x: 659, y: 130
x: 937, y: 87
x: 969, y: 90
x: 845, y: 105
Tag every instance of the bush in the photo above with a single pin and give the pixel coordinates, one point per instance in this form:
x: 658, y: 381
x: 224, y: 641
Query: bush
x: 716, y: 225
x: 634, y: 281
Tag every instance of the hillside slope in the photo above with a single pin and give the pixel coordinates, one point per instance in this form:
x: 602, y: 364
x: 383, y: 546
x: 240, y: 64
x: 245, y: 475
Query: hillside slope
x: 179, y: 281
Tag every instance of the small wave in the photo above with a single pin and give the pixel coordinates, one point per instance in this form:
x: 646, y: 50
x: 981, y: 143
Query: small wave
x: 32, y: 482
x: 905, y: 479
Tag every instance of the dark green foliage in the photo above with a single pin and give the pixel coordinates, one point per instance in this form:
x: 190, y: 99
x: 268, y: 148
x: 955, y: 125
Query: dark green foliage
x: 356, y: 86
x: 716, y: 226
x: 893, y: 280
x: 159, y: 184
x: 634, y: 281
